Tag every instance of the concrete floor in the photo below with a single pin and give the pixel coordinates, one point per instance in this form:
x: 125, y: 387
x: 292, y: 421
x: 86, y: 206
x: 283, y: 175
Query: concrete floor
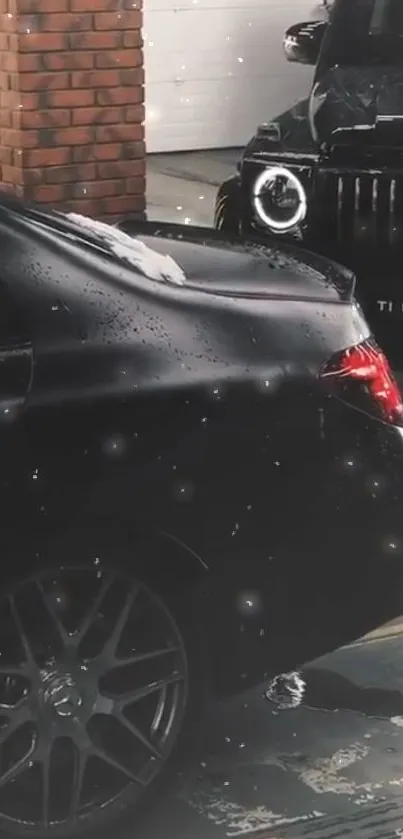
x: 332, y: 767
x: 182, y: 187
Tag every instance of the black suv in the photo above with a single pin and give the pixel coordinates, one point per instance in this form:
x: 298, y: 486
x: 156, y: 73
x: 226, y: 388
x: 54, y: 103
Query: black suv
x: 329, y: 171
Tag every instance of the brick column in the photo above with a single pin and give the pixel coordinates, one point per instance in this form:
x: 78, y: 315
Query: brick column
x: 71, y: 104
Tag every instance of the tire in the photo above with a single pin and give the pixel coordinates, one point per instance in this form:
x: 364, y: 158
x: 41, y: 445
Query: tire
x: 226, y: 214
x: 62, y: 632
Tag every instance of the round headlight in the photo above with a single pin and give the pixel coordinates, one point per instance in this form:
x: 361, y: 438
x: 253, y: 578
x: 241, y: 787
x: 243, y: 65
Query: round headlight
x: 279, y: 199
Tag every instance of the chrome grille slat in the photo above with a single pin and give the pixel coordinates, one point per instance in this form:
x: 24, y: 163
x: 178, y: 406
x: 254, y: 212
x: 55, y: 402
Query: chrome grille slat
x: 357, y: 195
x: 392, y: 204
x: 374, y: 195
x: 340, y: 195
x: 368, y: 211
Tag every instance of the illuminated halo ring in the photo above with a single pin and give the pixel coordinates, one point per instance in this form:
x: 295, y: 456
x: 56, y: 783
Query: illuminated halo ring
x: 263, y: 180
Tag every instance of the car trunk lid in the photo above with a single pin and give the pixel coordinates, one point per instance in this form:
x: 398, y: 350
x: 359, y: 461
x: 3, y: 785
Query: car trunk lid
x: 250, y: 268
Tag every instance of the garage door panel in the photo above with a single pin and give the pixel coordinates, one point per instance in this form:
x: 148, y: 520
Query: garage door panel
x: 212, y: 73
x: 183, y: 119
x: 235, y: 48
x: 178, y: 5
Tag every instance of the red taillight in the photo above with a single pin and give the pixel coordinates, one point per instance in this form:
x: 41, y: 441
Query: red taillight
x: 362, y: 376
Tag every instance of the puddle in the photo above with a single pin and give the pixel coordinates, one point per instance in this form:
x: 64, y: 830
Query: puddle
x: 325, y: 690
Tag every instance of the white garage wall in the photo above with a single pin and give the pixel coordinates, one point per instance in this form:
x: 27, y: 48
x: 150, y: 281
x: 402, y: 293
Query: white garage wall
x: 215, y: 69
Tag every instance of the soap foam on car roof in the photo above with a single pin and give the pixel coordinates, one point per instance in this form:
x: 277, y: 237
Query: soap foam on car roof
x: 154, y: 265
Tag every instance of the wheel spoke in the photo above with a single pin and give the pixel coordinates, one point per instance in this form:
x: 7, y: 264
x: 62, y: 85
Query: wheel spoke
x: 100, y: 753
x: 93, y: 609
x: 17, y: 718
x: 113, y: 641
x: 30, y: 658
x: 137, y: 734
x: 80, y: 762
x: 46, y: 785
x: 136, y: 658
x: 64, y: 636
x: 19, y: 767
x: 147, y: 690
x: 12, y: 670
x: 15, y: 770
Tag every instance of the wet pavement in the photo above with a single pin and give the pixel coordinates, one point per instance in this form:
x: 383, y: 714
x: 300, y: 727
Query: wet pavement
x: 182, y: 187
x: 330, y: 768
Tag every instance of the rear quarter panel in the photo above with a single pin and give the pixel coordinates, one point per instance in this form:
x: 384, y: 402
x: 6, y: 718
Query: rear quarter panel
x: 267, y: 488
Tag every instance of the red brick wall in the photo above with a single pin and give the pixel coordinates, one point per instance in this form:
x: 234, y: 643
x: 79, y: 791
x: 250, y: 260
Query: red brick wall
x: 71, y: 103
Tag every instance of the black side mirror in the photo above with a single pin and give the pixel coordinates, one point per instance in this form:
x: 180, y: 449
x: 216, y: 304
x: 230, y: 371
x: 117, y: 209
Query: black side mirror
x: 302, y: 42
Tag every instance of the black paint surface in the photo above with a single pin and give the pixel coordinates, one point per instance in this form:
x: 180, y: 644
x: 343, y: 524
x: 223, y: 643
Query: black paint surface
x: 184, y: 429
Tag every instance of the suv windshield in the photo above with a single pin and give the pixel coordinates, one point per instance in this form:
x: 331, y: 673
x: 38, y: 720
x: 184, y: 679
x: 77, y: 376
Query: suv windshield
x: 364, y: 32
x: 373, y: 17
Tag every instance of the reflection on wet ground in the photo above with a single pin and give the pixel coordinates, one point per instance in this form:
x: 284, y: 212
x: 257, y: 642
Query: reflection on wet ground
x: 329, y: 691
x: 330, y: 767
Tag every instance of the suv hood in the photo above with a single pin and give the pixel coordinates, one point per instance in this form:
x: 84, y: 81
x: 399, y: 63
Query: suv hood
x: 362, y: 105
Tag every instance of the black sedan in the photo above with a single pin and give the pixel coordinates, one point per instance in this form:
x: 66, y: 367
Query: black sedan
x: 201, y: 449
x: 329, y: 171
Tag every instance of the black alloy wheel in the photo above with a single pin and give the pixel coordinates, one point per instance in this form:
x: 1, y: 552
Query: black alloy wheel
x: 93, y: 695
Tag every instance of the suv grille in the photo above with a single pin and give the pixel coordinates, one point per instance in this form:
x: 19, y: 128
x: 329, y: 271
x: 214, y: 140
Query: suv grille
x: 359, y: 208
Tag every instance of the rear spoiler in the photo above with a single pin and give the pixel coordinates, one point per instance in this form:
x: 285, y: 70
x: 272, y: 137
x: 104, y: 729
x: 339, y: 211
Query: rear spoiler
x: 339, y: 276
